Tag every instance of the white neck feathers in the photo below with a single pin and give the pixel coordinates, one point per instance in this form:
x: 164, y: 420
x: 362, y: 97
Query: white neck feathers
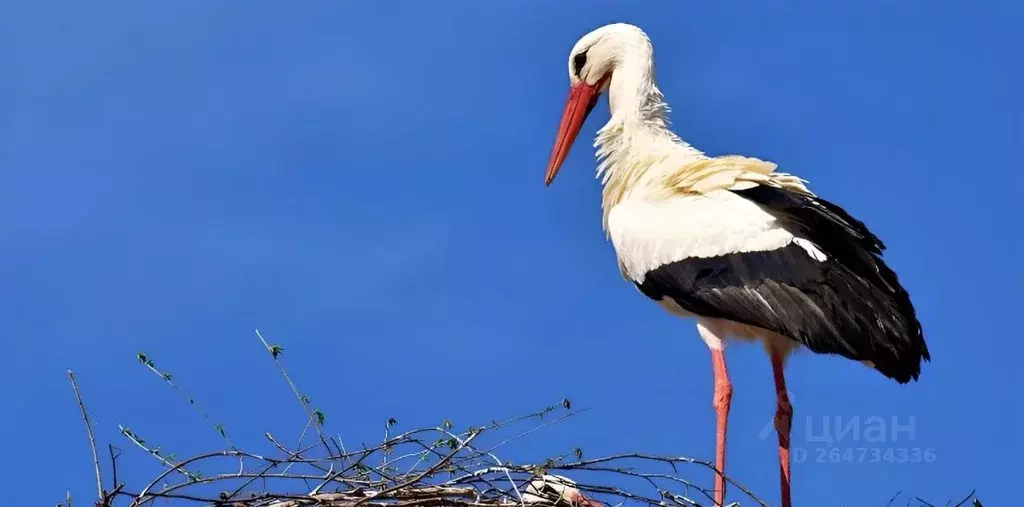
x: 637, y: 145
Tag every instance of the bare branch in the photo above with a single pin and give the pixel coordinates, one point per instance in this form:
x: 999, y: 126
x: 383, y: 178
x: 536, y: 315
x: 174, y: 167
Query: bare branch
x: 314, y: 418
x: 113, y: 463
x: 426, y: 472
x: 168, y: 379
x: 92, y: 440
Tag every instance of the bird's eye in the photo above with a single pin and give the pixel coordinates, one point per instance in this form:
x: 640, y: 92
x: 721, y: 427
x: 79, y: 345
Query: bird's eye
x: 579, y: 61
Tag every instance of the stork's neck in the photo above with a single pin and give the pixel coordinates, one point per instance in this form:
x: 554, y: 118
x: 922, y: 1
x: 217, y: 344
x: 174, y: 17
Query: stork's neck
x: 637, y: 145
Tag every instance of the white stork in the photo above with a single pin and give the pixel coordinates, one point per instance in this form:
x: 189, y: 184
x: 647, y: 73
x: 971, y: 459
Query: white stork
x: 747, y: 251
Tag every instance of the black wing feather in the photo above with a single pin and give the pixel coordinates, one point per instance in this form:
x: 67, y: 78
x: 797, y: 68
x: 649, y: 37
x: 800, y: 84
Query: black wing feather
x: 852, y: 304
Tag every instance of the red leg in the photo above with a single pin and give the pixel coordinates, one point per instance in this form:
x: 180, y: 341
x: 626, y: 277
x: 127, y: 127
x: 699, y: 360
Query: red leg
x: 783, y: 425
x: 723, y: 395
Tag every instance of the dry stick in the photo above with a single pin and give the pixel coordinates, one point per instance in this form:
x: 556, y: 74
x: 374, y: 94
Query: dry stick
x: 332, y: 477
x: 298, y: 396
x: 191, y: 400
x: 342, y: 499
x: 489, y: 452
x: 180, y: 466
x: 302, y: 436
x: 444, y: 461
x: 649, y: 477
x: 296, y: 456
x: 384, y: 454
x: 291, y: 461
x: 582, y: 464
x: 113, y: 462
x: 133, y: 438
x: 262, y: 474
x: 431, y: 450
x: 293, y: 454
x: 224, y: 477
x: 498, y: 461
x: 587, y: 465
x: 536, y: 428
x: 964, y: 501
x: 92, y: 439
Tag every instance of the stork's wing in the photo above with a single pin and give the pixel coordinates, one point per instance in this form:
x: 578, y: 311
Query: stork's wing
x: 776, y: 259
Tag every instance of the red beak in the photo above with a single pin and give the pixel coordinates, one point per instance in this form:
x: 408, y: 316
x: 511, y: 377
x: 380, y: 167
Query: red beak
x: 582, y: 500
x: 582, y: 99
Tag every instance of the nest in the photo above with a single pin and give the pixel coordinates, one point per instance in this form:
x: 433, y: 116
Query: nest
x: 427, y: 467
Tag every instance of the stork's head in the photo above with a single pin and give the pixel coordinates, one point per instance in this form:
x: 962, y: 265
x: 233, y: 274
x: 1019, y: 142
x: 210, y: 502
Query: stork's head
x: 556, y: 490
x: 592, y: 62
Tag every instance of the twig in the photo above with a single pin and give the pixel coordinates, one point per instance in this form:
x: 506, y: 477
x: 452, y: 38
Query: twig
x: 964, y: 501
x: 535, y: 428
x: 148, y: 362
x: 113, y: 462
x: 501, y: 465
x: 298, y: 396
x: 649, y: 477
x: 135, y: 439
x: 425, y: 473
x: 180, y: 467
x: 92, y: 439
x: 334, y: 476
x: 670, y: 460
x: 261, y: 475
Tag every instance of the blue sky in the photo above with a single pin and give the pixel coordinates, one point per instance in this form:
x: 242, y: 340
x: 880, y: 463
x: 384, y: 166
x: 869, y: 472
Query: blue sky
x: 363, y: 182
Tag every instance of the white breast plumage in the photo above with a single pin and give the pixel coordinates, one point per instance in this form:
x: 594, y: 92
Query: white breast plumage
x: 647, y: 234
